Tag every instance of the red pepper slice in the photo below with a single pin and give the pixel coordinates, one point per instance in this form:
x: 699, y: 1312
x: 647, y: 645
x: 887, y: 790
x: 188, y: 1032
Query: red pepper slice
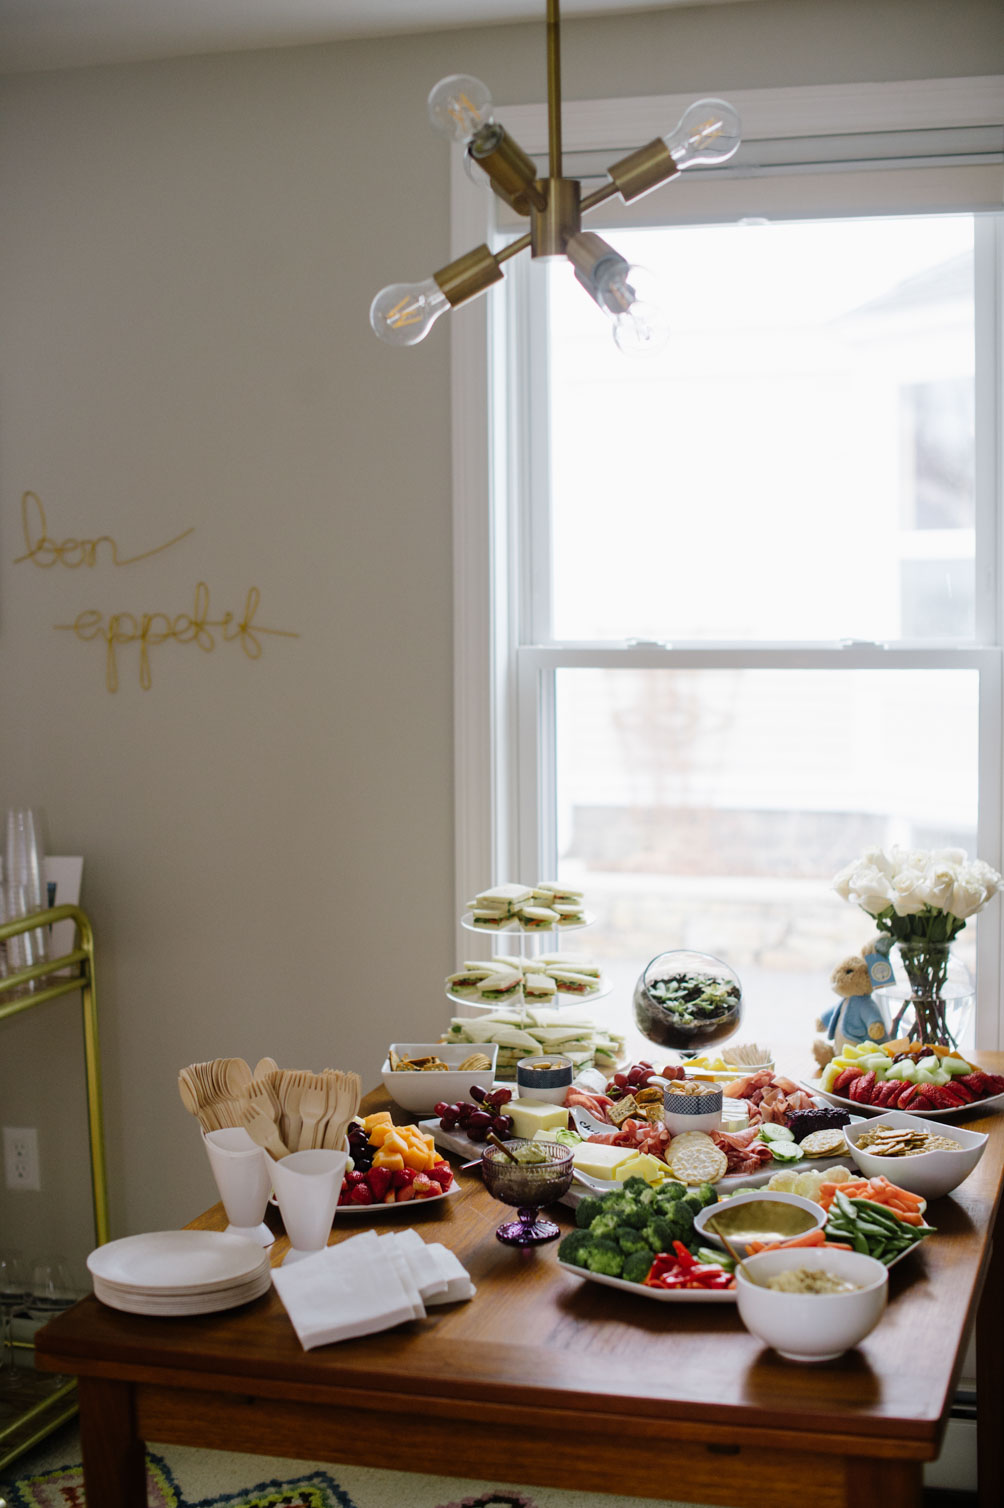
x: 683, y: 1255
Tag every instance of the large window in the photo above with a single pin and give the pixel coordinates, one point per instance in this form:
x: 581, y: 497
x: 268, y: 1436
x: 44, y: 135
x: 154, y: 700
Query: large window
x: 746, y: 602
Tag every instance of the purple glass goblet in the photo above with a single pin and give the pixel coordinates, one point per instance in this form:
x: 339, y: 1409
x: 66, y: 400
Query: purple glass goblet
x: 528, y: 1186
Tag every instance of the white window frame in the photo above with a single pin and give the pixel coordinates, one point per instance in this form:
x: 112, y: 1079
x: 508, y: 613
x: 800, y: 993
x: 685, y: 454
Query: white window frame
x: 504, y: 666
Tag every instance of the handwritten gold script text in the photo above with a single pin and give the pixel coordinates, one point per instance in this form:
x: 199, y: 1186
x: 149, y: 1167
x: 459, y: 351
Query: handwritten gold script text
x: 152, y: 629
x: 45, y: 552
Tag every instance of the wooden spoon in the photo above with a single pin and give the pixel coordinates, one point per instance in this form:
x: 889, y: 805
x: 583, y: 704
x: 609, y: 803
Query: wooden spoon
x: 712, y: 1224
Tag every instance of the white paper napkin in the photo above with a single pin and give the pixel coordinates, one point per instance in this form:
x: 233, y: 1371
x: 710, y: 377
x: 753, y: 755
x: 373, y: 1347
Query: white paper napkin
x: 368, y: 1284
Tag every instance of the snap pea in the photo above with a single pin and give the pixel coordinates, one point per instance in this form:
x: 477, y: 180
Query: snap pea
x: 872, y: 1229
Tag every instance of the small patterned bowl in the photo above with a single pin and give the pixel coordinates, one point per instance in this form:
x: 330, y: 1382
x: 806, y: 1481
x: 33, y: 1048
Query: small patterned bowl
x: 692, y: 1112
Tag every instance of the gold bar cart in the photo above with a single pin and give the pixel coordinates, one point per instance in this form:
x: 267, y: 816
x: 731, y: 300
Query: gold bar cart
x: 71, y: 973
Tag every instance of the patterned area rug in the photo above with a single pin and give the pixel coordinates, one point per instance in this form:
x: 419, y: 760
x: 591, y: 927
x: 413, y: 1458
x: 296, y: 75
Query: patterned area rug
x: 64, y: 1488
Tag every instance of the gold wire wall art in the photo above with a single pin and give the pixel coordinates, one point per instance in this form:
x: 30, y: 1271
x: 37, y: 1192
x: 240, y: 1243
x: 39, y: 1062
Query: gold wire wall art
x: 148, y: 630
x: 45, y: 552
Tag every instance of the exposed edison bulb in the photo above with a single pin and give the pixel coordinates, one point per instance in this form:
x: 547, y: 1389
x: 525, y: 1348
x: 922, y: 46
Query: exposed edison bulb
x: 629, y: 296
x: 709, y: 132
x: 459, y: 106
x: 404, y: 313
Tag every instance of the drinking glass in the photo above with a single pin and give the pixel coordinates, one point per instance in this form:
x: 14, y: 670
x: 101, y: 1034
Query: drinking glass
x: 528, y: 1185
x: 51, y: 1288
x: 24, y: 869
x: 14, y: 1294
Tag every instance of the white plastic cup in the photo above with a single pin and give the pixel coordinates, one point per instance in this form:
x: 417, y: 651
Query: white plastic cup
x: 307, y: 1185
x: 243, y: 1176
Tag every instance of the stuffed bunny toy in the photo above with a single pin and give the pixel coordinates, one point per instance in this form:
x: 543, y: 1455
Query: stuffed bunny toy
x: 857, y: 1017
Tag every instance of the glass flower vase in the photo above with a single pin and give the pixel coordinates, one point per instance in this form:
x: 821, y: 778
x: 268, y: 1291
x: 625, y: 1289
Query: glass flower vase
x: 933, y: 997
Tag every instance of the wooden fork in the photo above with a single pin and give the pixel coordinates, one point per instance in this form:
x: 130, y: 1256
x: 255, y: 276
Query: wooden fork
x: 313, y: 1105
x: 263, y: 1129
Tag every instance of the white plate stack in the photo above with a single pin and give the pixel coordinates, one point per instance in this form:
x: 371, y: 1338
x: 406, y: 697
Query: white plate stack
x: 179, y: 1272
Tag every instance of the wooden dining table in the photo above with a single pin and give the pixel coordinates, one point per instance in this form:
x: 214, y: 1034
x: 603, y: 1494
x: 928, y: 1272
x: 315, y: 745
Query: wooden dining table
x: 543, y: 1379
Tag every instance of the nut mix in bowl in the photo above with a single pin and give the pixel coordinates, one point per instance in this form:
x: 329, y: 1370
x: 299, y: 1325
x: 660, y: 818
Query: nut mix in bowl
x: 687, y: 1001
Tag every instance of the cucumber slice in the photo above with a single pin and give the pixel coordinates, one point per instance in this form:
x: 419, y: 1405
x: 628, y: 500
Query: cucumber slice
x: 772, y: 1133
x: 786, y: 1151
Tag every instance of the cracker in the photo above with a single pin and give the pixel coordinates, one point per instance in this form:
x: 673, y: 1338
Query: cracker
x: 696, y: 1162
x: 823, y: 1144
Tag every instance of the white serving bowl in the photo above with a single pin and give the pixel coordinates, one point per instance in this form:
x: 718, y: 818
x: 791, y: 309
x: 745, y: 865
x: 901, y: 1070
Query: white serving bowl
x: 756, y: 1196
x: 418, y: 1092
x: 929, y: 1174
x: 811, y: 1326
x: 693, y: 1112
x: 546, y: 1077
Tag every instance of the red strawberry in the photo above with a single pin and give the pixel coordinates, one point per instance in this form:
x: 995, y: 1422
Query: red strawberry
x: 405, y: 1192
x: 424, y: 1186
x: 442, y: 1173
x: 360, y: 1195
x: 921, y: 1101
x: 886, y: 1093
x: 861, y: 1089
x: 939, y: 1099
x: 354, y: 1178
x: 379, y: 1181
x: 402, y: 1177
x: 906, y: 1096
x: 844, y: 1078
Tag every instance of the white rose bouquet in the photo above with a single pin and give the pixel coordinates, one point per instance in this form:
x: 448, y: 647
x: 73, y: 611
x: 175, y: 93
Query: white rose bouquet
x: 922, y: 899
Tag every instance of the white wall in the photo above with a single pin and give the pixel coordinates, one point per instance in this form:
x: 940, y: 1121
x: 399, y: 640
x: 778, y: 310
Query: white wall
x: 188, y: 251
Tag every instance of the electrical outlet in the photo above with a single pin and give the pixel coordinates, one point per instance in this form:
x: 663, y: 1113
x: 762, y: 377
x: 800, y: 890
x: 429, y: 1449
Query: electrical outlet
x: 20, y: 1157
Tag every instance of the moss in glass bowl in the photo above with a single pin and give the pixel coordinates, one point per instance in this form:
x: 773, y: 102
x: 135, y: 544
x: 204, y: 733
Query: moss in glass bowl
x: 687, y: 1001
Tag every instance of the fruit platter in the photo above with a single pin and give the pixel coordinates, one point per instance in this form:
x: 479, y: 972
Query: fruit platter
x: 920, y: 1080
x: 391, y: 1165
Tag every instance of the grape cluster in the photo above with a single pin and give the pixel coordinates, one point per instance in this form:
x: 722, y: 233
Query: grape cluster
x: 359, y: 1148
x: 484, y: 1112
x: 639, y: 1076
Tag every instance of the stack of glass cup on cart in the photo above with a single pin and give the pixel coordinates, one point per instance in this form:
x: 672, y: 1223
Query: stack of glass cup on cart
x: 24, y: 889
x: 34, y: 1289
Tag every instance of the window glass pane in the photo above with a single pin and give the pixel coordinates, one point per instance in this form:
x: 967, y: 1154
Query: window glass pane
x: 711, y: 810
x: 798, y: 462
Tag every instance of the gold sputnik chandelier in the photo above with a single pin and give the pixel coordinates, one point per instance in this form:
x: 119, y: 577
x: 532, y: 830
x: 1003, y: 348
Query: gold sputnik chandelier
x: 461, y: 108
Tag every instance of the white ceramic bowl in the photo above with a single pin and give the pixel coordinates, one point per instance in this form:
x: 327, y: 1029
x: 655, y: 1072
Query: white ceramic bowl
x: 929, y: 1174
x: 693, y: 1112
x: 417, y: 1092
x: 812, y: 1326
x: 546, y: 1077
x: 756, y: 1196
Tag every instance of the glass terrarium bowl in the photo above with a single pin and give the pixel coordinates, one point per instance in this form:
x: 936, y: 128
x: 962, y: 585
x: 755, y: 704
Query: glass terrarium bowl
x: 527, y: 1186
x: 688, y: 1001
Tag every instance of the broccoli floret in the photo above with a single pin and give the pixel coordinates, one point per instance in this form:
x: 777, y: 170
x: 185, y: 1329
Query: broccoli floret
x: 605, y: 1257
x: 587, y: 1210
x: 637, y: 1216
x: 630, y: 1240
x: 670, y: 1191
x: 708, y: 1195
x: 635, y: 1185
x: 676, y: 1223
x: 693, y: 1201
x: 660, y: 1233
x: 637, y: 1266
x: 574, y: 1246
x: 604, y: 1225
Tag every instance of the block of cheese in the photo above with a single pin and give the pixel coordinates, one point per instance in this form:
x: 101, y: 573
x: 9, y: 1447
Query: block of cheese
x: 643, y: 1165
x: 735, y: 1116
x: 598, y: 1159
x: 529, y: 1116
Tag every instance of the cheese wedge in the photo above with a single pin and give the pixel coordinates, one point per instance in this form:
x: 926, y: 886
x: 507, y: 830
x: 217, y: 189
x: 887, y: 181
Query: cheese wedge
x: 529, y: 1116
x: 599, y: 1159
x: 643, y: 1165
